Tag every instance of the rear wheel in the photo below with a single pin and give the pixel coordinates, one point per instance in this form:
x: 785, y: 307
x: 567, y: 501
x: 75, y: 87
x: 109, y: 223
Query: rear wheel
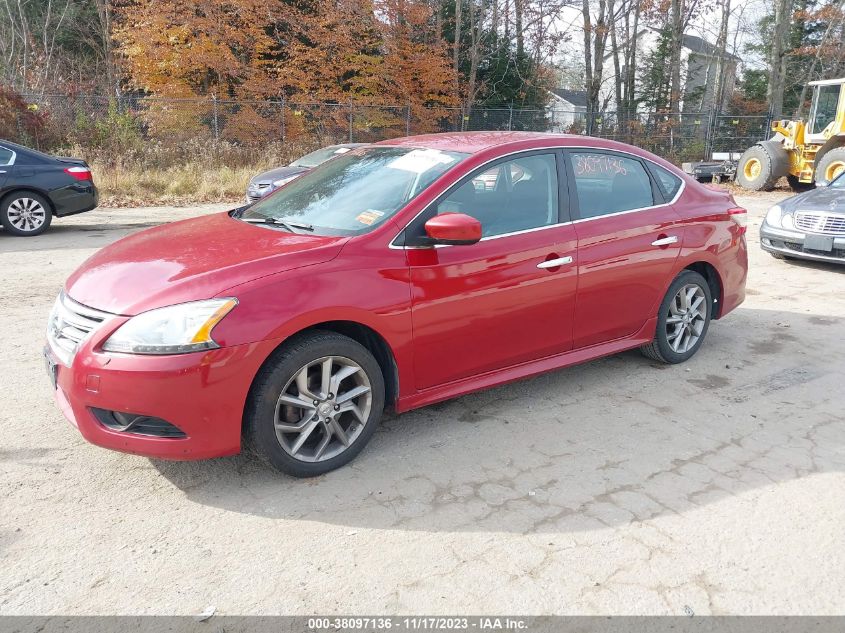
x: 830, y: 166
x: 25, y: 214
x: 757, y: 169
x: 314, y: 405
x: 682, y: 321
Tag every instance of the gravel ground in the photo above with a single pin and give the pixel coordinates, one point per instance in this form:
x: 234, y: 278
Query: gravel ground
x: 618, y: 486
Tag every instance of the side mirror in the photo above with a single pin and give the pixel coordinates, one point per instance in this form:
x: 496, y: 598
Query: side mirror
x: 453, y: 228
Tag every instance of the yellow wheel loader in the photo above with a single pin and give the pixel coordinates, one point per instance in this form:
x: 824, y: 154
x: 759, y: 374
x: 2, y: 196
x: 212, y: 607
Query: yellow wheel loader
x: 808, y: 154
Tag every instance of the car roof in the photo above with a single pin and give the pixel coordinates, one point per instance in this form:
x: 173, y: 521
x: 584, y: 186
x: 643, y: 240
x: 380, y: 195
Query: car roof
x: 476, y: 142
x: 22, y: 149
x: 14, y: 146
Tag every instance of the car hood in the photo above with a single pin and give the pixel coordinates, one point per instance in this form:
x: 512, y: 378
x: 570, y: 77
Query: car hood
x: 279, y: 173
x: 190, y: 260
x: 819, y: 199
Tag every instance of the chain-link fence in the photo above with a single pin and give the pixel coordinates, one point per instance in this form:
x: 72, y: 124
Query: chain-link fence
x: 95, y: 120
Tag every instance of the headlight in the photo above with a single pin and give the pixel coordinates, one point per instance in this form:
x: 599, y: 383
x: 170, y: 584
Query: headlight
x: 283, y: 181
x: 773, y: 217
x: 177, y: 329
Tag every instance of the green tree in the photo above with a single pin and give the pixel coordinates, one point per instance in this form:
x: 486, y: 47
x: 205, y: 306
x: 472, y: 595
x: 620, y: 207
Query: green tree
x: 655, y: 78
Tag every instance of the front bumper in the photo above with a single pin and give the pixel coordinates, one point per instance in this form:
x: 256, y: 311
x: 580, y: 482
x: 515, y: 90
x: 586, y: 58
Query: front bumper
x: 202, y: 394
x: 255, y: 192
x: 791, y: 243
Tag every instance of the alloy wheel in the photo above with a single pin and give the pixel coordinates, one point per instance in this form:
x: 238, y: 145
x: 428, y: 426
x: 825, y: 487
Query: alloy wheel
x: 686, y: 319
x: 26, y: 214
x: 323, y: 409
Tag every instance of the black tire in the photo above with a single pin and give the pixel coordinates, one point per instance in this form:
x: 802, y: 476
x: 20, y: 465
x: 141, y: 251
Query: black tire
x: 832, y: 161
x: 260, y: 413
x: 8, y: 213
x: 660, y: 348
x: 768, y: 174
x: 797, y: 186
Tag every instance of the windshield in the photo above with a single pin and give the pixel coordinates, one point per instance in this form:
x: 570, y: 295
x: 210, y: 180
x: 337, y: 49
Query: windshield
x: 319, y: 157
x: 824, y: 108
x: 355, y: 192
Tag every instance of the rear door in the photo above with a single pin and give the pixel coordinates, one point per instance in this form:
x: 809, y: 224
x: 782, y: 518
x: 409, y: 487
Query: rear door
x: 628, y: 241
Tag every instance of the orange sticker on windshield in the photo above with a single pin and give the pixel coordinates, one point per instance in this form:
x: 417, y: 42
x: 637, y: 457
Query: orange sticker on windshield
x: 369, y: 217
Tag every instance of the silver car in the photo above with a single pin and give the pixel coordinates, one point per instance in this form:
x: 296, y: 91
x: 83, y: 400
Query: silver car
x: 267, y: 182
x: 810, y: 225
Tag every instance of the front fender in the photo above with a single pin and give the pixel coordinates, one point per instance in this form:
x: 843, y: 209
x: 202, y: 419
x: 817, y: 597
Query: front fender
x: 350, y: 289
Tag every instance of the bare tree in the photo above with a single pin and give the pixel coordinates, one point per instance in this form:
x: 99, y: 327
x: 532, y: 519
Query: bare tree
x: 595, y: 40
x: 826, y: 39
x: 721, y: 54
x: 777, y: 57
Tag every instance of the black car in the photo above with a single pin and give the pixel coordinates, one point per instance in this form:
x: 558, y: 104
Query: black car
x: 34, y: 187
x: 269, y: 181
x: 810, y: 225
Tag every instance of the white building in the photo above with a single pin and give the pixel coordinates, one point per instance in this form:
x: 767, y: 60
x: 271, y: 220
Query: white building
x: 566, y: 109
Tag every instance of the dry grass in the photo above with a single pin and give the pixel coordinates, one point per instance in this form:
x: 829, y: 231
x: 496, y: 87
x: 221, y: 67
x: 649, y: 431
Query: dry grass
x: 152, y: 173
x: 192, y: 183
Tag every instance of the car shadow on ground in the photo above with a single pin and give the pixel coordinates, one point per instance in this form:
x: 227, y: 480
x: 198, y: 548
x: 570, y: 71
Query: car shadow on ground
x: 814, y: 265
x: 56, y: 237
x: 614, y: 441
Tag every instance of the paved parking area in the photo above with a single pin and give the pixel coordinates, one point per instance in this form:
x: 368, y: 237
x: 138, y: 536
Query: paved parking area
x: 619, y: 486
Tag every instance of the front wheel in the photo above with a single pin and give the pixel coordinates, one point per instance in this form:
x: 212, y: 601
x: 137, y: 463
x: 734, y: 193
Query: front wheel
x: 758, y: 169
x: 314, y: 405
x: 683, y: 319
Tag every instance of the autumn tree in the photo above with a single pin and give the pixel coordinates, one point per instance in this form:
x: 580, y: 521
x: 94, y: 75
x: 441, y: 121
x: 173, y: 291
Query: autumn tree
x: 183, y: 49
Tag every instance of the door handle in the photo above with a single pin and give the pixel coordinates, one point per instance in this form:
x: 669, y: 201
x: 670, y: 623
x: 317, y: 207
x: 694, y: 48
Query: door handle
x: 2, y: 171
x: 554, y: 263
x: 665, y: 241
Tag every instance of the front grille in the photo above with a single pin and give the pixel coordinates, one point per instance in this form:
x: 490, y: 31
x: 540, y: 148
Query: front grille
x: 70, y: 323
x: 137, y: 424
x: 820, y: 222
x: 800, y: 248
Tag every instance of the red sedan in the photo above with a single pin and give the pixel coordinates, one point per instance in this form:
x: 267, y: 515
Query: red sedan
x: 398, y: 275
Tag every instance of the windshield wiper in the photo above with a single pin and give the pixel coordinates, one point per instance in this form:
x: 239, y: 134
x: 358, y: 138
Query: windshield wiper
x: 288, y: 226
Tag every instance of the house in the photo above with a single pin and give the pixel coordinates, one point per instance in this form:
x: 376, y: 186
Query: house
x: 699, y: 67
x: 566, y: 108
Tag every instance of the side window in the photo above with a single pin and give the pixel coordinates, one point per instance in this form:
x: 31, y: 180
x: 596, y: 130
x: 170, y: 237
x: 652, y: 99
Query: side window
x: 515, y: 195
x: 6, y: 156
x: 609, y: 183
x: 669, y: 182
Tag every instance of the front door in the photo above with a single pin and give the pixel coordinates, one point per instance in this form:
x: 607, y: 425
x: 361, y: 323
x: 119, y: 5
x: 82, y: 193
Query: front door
x: 509, y: 298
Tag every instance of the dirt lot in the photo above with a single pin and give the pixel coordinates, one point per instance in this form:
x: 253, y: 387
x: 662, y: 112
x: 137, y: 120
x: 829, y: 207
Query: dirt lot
x: 618, y: 486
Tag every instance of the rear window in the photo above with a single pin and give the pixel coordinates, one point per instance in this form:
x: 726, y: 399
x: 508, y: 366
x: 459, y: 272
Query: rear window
x: 609, y: 183
x: 669, y: 183
x: 6, y: 156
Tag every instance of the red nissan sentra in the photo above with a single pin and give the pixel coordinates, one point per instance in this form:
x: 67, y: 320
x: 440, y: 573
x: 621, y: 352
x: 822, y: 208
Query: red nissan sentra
x: 394, y: 276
